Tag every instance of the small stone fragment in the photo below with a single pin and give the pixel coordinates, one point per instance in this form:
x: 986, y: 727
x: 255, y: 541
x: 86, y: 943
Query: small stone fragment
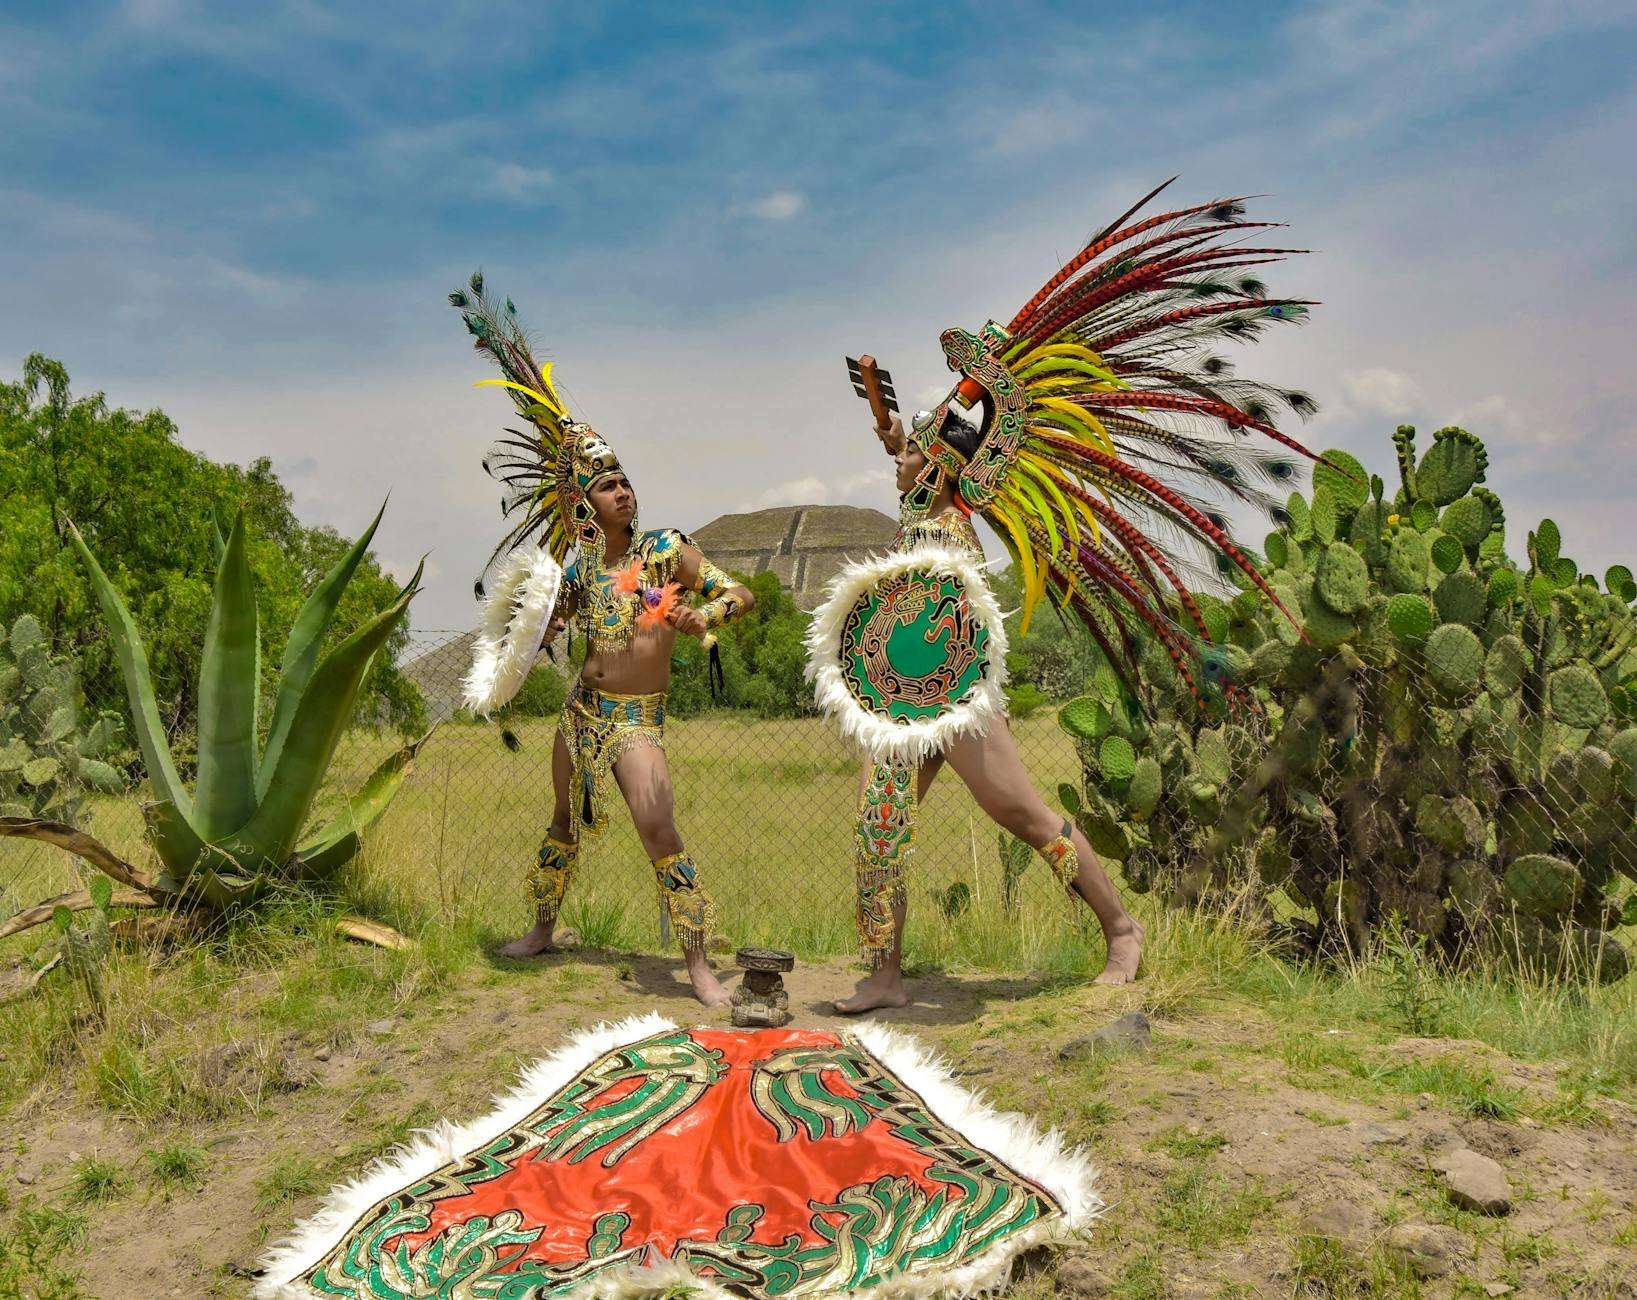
x: 1130, y: 1033
x: 378, y: 1028
x: 1431, y: 1250
x: 1475, y: 1182
x: 324, y: 1053
x: 1078, y: 1276
x: 1342, y: 1221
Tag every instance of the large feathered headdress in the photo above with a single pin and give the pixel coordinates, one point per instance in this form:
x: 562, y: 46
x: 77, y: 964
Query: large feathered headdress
x: 1102, y: 385
x: 548, y: 471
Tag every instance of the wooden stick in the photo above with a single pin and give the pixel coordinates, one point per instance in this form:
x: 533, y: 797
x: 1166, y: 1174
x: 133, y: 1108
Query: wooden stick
x: 77, y: 842
x: 79, y: 901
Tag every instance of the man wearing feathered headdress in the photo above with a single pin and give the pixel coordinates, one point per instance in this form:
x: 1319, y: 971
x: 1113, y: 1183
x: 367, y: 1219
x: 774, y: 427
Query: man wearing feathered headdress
x: 625, y: 591
x: 1059, y: 432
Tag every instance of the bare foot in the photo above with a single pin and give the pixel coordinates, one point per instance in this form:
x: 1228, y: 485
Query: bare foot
x: 706, y: 987
x: 1124, y: 957
x: 882, y: 988
x: 540, y: 941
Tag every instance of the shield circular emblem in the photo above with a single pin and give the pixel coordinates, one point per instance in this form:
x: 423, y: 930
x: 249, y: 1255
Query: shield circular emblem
x: 908, y: 652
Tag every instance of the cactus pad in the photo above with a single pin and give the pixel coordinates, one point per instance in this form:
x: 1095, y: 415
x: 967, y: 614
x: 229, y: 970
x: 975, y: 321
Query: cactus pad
x: 1085, y: 718
x: 1543, y: 885
x: 1408, y: 557
x: 1447, y: 554
x: 1342, y: 579
x: 1505, y: 666
x: 1503, y: 588
x: 1453, y: 463
x: 1142, y: 795
x: 1340, y: 473
x: 1455, y: 660
x: 1116, y: 758
x: 1460, y: 598
x: 1576, y: 697
x: 1323, y: 516
x: 1410, y: 618
x: 1466, y: 519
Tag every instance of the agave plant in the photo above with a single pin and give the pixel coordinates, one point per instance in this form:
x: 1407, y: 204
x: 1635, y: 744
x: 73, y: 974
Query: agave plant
x: 238, y: 832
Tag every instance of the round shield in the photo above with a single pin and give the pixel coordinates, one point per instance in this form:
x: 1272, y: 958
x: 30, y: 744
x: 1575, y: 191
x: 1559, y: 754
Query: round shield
x: 908, y: 652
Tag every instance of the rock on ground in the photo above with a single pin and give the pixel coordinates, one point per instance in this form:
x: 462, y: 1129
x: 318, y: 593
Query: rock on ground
x: 1475, y: 1182
x: 1130, y: 1033
x: 1430, y: 1249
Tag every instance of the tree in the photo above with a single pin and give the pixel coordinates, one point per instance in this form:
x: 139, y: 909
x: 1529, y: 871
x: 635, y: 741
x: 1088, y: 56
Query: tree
x: 148, y: 506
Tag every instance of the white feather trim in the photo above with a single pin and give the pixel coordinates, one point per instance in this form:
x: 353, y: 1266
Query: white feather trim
x: 515, y: 617
x: 433, y: 1148
x: 883, y: 739
x: 1040, y: 1155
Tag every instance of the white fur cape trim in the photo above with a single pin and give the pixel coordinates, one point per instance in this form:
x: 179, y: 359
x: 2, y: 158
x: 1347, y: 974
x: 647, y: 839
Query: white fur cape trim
x: 1040, y: 1155
x: 515, y: 617
x: 433, y: 1148
x: 906, y: 742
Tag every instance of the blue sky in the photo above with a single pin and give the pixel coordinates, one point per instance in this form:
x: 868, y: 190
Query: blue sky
x: 249, y: 217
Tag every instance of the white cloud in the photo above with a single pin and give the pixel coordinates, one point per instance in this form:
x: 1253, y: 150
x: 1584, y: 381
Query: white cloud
x: 1380, y: 391
x: 780, y: 205
x: 811, y: 490
x: 516, y: 181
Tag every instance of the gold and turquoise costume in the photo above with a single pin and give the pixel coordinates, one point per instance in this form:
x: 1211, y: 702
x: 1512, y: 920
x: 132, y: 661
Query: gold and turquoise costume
x: 549, y: 474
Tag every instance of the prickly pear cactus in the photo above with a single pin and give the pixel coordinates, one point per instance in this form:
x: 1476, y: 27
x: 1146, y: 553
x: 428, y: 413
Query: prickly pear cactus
x: 48, y: 762
x: 1449, y: 738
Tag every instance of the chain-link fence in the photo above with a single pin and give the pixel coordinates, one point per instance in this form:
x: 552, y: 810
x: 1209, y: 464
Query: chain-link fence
x: 765, y: 806
x: 1365, y: 794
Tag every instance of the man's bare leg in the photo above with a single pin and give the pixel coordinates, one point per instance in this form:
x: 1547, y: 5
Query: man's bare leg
x: 884, y: 986
x: 645, y: 781
x: 993, y: 771
x: 543, y: 938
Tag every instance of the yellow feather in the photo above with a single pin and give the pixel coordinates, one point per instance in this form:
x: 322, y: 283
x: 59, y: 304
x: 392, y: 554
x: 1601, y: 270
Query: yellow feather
x: 551, y: 403
x: 1079, y: 420
x: 1066, y: 366
x: 1032, y: 584
x: 1074, y: 351
x: 1026, y: 497
x: 1042, y: 475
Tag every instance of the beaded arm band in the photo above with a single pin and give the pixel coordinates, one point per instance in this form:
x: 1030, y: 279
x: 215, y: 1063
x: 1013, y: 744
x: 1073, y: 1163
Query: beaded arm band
x: 722, y: 610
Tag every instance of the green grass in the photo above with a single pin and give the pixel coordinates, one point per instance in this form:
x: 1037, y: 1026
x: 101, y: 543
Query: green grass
x: 97, y: 1181
x: 32, y: 1244
x: 178, y: 1165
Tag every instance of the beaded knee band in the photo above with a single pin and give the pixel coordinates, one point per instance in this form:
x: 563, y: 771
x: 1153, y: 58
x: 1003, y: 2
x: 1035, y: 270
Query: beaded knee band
x: 690, y: 908
x: 1062, y: 857
x: 549, y: 876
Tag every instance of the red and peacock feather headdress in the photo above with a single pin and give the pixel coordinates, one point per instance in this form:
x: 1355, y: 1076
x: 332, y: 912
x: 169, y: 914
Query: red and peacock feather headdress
x: 1110, y: 425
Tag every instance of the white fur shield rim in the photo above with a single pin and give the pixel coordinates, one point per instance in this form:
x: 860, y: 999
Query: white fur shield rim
x: 907, y: 741
x: 1040, y: 1155
x: 515, y: 617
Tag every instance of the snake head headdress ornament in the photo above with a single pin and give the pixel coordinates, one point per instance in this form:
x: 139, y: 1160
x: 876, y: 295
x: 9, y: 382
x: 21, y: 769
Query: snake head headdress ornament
x: 548, y: 469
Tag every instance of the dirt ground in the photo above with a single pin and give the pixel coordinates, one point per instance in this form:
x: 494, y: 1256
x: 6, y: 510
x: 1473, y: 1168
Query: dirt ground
x: 1238, y: 1157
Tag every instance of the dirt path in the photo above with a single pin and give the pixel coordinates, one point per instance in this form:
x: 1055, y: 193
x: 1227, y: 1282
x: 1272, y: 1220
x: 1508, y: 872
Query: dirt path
x: 1241, y: 1157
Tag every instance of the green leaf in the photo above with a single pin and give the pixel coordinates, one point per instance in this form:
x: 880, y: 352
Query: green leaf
x: 102, y: 892
x: 302, y: 647
x: 321, y: 716
x: 193, y: 869
x: 62, y: 918
x: 225, y: 795
x: 133, y: 667
x: 335, y: 845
